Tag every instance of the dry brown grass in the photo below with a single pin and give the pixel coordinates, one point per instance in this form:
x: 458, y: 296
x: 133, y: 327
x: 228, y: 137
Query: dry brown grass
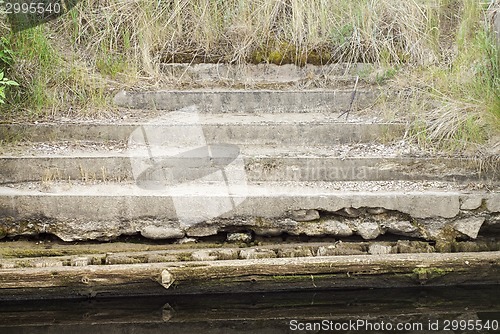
x: 144, y: 33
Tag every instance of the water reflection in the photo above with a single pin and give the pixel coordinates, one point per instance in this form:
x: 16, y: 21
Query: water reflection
x: 314, y: 312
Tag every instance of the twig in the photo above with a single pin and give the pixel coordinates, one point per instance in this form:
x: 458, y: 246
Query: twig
x: 353, y: 95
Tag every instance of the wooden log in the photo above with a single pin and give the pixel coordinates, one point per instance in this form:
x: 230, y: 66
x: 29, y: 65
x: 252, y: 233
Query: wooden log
x: 277, y: 274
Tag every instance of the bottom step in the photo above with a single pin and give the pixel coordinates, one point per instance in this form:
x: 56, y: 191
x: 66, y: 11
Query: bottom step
x: 438, y: 211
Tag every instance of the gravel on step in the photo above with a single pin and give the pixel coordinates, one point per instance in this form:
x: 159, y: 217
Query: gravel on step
x: 62, y: 186
x: 400, y: 148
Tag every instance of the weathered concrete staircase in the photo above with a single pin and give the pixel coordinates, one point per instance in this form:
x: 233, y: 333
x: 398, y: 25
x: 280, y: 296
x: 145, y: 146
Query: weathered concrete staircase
x: 248, y: 166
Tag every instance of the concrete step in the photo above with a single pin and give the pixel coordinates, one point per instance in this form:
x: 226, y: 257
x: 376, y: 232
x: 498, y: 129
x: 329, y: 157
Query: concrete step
x: 294, y: 129
x: 355, y: 162
x: 75, y: 211
x: 249, y: 101
x: 266, y: 75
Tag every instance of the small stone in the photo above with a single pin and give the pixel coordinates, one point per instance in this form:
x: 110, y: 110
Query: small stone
x: 225, y: 254
x: 312, y: 229
x: 120, y: 259
x: 326, y: 250
x: 7, y: 265
x: 295, y: 252
x: 186, y: 240
x: 369, y: 230
x: 348, y: 212
x: 493, y: 202
x: 203, y: 255
x: 433, y: 229
x: 305, y: 215
x: 267, y: 232
x: 167, y: 279
x: 239, y: 237
x: 377, y: 249
x: 156, y: 232
x: 47, y: 263
x: 405, y: 246
x: 340, y: 248
x: 469, y: 226
x: 80, y: 261
x: 121, y: 98
x: 348, y: 251
x: 257, y: 253
x: 470, y: 202
x: 157, y: 258
x: 336, y: 228
x: 376, y: 211
x: 401, y: 227
x: 202, y: 231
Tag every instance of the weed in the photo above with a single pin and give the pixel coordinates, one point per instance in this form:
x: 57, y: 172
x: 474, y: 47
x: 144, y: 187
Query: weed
x: 465, y: 89
x: 424, y: 274
x: 385, y: 75
x: 5, y: 82
x: 6, y: 54
x: 6, y: 61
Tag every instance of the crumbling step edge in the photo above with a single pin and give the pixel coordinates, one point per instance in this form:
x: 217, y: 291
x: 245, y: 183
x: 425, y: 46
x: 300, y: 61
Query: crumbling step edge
x: 430, y: 215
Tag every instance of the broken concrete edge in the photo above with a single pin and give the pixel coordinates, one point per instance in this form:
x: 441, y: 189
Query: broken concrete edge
x: 396, y: 270
x: 157, y: 229
x: 345, y: 214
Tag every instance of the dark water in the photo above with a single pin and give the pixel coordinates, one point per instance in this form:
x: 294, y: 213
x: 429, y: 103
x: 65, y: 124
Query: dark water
x: 422, y: 310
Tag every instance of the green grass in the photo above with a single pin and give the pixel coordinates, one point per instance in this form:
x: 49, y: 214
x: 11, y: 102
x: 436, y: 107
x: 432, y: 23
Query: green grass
x: 466, y: 91
x: 49, y: 82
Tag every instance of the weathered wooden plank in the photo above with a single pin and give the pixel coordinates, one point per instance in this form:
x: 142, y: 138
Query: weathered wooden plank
x: 261, y: 274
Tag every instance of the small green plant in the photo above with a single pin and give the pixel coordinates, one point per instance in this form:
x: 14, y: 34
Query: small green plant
x: 385, y: 75
x: 6, y: 54
x: 5, y: 82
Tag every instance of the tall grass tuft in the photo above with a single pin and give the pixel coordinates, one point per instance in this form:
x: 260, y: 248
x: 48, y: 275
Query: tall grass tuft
x: 147, y: 33
x: 466, y: 85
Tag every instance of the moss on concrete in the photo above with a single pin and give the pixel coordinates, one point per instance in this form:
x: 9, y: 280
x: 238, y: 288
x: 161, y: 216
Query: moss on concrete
x: 425, y: 274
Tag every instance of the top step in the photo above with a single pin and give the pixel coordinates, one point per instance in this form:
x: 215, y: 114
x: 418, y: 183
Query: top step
x: 261, y: 76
